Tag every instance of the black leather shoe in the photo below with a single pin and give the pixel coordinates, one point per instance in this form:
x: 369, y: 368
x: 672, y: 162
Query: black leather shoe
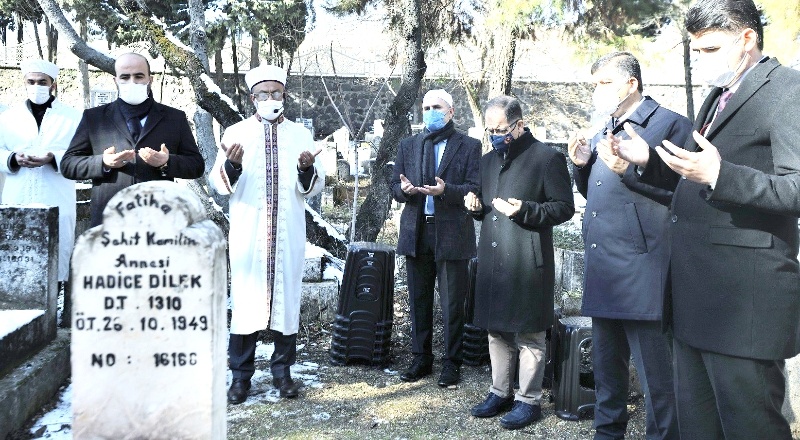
x: 237, y: 393
x: 522, y: 415
x: 287, y: 387
x: 450, y: 376
x: 417, y: 371
x: 492, y: 406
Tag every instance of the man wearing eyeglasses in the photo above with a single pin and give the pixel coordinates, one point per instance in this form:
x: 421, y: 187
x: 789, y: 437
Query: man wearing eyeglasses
x: 432, y: 173
x: 267, y: 166
x: 525, y: 191
x: 627, y: 252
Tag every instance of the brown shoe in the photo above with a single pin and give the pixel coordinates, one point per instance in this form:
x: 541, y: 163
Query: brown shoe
x: 287, y: 387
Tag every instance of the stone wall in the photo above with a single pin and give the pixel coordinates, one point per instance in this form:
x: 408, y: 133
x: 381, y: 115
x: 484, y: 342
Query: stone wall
x: 556, y: 107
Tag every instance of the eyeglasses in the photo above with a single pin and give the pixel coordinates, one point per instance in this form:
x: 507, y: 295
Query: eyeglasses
x: 263, y: 96
x: 502, y: 131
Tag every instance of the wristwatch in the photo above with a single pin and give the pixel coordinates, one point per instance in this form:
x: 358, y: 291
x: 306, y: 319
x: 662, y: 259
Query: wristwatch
x: 164, y: 168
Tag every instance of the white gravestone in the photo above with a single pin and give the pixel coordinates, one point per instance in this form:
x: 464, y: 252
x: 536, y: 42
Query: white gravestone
x: 149, y: 319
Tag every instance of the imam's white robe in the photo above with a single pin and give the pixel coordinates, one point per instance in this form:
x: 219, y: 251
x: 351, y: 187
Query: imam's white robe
x: 45, y: 184
x: 250, y: 299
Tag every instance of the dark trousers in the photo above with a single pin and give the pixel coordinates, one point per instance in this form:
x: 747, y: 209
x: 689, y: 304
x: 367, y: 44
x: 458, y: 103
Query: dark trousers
x: 613, y: 342
x: 423, y: 271
x: 242, y: 354
x: 728, y: 397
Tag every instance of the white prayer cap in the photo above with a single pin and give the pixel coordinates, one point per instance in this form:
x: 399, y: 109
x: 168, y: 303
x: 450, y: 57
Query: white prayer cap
x: 39, y: 66
x: 265, y: 72
x: 440, y: 94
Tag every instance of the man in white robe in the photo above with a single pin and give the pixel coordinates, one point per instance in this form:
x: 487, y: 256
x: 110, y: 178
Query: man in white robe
x: 266, y: 165
x: 34, y: 134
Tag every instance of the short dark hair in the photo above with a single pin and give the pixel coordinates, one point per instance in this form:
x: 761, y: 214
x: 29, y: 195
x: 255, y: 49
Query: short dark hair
x: 510, y: 106
x: 725, y: 15
x: 626, y: 63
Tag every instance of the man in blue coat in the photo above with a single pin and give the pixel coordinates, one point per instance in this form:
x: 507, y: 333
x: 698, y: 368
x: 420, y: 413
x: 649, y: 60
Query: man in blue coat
x: 433, y: 172
x: 626, y: 253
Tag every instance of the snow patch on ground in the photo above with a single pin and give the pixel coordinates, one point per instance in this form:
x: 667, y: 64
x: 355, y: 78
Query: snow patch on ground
x: 57, y: 424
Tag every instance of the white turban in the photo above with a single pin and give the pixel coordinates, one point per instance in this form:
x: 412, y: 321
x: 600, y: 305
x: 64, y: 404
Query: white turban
x: 440, y: 94
x: 39, y: 66
x: 263, y: 73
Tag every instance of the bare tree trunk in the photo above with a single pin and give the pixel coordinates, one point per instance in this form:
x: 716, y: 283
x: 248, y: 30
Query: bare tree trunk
x: 687, y: 69
x: 255, y: 61
x: 238, y: 95
x: 505, y: 48
x: 52, y: 41
x: 203, y: 122
x: 219, y: 73
x: 38, y: 40
x: 375, y: 209
x: 472, y: 92
x: 84, y: 68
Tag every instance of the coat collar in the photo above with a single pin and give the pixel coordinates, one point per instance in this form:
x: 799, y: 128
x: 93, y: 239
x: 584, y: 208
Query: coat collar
x: 751, y: 83
x: 519, y: 145
x: 754, y: 80
x: 156, y: 114
x: 642, y: 113
x: 454, y: 142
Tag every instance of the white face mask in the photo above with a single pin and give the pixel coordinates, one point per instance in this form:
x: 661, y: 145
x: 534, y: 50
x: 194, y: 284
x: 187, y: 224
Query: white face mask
x: 606, y: 102
x: 38, y: 94
x: 270, y: 109
x: 714, y: 70
x: 132, y: 93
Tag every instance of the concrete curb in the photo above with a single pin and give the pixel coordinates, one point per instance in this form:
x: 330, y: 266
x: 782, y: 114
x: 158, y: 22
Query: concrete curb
x: 33, y: 384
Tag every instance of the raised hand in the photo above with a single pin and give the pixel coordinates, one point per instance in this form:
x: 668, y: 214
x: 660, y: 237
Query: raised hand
x: 472, y: 202
x: 307, y: 159
x: 612, y: 161
x: 509, y: 207
x: 112, y: 159
x: 234, y: 153
x: 634, y: 149
x: 433, y: 190
x: 579, y: 149
x: 154, y: 158
x: 407, y: 187
x: 697, y: 166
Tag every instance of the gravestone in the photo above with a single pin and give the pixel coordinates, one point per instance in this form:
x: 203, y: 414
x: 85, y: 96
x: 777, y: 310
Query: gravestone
x: 28, y: 280
x: 149, y: 319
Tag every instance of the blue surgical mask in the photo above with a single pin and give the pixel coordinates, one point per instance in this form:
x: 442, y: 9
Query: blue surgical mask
x: 433, y: 119
x: 499, y: 141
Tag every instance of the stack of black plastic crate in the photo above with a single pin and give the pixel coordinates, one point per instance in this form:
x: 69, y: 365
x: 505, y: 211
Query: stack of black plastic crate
x: 476, y: 339
x: 362, y: 329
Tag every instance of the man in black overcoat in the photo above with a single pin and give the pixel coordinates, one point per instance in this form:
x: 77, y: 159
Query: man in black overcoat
x: 734, y: 239
x: 433, y: 172
x: 131, y: 140
x: 525, y: 191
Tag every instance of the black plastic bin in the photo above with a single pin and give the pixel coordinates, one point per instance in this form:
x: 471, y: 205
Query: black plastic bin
x: 362, y: 329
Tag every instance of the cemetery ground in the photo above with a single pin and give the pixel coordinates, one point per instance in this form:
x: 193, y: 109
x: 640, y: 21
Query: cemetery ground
x: 358, y: 400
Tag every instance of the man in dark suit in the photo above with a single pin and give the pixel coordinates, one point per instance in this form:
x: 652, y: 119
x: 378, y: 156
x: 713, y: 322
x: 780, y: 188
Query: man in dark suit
x: 131, y: 140
x: 734, y: 236
x: 433, y: 172
x: 627, y: 254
